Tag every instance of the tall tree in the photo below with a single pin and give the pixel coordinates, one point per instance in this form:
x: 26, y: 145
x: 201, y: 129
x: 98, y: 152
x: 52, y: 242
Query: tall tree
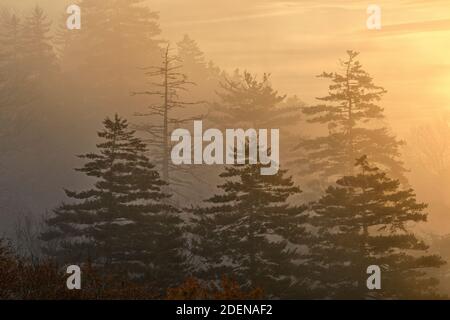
x: 17, y: 86
x: 354, y: 127
x: 167, y: 114
x: 251, y: 233
x: 103, y: 58
x: 24, y: 93
x: 204, y: 74
x: 123, y: 222
x: 192, y: 57
x: 39, y: 55
x: 364, y: 220
x: 11, y: 49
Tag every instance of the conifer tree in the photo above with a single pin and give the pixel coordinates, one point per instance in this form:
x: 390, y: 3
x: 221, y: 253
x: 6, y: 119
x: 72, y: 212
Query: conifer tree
x: 192, y: 57
x: 11, y: 43
x: 365, y: 220
x: 354, y: 128
x: 39, y: 55
x: 116, y: 38
x: 205, y: 75
x: 247, y: 102
x: 123, y: 222
x: 249, y: 232
x: 16, y: 90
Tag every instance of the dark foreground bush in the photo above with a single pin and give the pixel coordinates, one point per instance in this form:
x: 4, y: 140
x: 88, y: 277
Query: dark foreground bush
x: 21, y: 279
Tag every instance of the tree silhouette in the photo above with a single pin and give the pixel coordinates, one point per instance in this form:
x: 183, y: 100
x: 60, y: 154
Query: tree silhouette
x: 167, y: 115
x: 192, y: 57
x: 353, y: 119
x: 39, y: 56
x: 204, y: 74
x: 16, y: 89
x: 247, y: 102
x: 246, y: 231
x: 102, y: 58
x: 364, y: 220
x: 122, y: 223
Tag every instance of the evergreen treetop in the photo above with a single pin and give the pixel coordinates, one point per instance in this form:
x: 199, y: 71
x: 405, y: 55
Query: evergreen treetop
x: 354, y: 127
x: 249, y: 102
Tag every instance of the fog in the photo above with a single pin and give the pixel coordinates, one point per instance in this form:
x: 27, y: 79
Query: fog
x: 64, y: 83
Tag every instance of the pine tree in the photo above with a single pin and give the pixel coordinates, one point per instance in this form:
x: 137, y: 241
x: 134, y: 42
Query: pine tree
x: 247, y: 102
x: 16, y: 90
x: 205, y: 75
x: 11, y: 43
x: 117, y: 37
x: 39, y: 55
x: 250, y: 232
x: 354, y: 124
x: 364, y: 220
x: 192, y: 57
x: 9, y: 57
x: 123, y: 222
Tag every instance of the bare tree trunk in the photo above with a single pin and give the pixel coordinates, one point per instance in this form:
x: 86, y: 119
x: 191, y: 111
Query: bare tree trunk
x: 165, y: 164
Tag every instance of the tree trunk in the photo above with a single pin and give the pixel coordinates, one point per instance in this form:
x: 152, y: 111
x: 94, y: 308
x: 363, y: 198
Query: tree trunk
x: 165, y: 164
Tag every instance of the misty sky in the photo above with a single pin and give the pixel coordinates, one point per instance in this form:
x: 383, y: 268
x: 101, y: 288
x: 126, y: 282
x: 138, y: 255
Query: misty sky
x: 296, y: 40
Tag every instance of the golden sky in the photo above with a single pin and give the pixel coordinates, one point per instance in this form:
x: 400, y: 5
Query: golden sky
x: 296, y: 40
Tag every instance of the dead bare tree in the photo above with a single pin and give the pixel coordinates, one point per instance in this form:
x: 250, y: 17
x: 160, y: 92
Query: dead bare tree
x: 170, y: 112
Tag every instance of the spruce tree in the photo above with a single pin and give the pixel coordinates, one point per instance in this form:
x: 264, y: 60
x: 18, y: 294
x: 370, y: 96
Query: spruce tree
x: 365, y: 220
x: 246, y: 101
x: 354, y: 124
x: 39, y: 55
x: 249, y: 102
x: 11, y: 40
x: 122, y: 223
x: 192, y: 57
x: 250, y: 233
x: 117, y: 37
x: 10, y: 45
x: 16, y: 89
x: 205, y: 75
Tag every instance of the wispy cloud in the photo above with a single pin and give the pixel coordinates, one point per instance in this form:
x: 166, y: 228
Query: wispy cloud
x: 235, y: 18
x: 412, y: 28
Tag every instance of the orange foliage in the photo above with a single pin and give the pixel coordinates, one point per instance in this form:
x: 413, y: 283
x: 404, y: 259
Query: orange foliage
x: 193, y: 289
x: 20, y: 279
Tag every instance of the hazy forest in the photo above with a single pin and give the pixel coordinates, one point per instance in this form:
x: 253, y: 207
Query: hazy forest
x: 86, y: 176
